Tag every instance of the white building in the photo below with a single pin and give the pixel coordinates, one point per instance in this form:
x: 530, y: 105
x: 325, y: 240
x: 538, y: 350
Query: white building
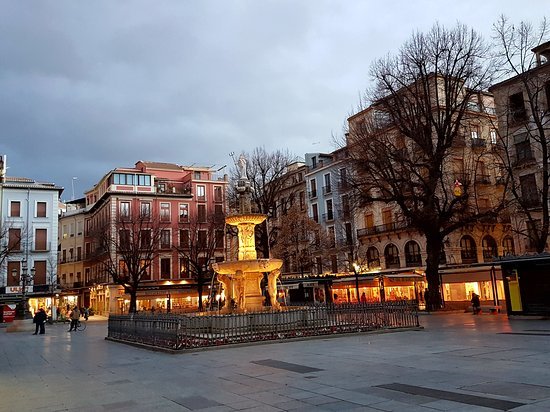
x: 29, y: 221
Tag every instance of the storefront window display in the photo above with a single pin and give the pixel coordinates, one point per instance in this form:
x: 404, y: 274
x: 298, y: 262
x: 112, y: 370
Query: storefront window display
x: 464, y: 291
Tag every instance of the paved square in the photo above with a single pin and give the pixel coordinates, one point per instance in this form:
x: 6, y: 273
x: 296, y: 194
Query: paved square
x: 458, y: 362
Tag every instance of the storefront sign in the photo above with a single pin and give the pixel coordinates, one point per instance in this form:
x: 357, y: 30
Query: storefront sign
x: 17, y: 289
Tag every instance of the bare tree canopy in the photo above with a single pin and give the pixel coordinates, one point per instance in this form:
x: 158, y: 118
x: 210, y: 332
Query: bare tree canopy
x: 266, y: 172
x: 410, y: 148
x: 202, y: 240
x: 127, y: 248
x: 524, y: 123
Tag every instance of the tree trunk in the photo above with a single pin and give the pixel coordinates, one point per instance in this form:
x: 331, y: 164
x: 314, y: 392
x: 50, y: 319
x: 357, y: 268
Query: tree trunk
x: 433, y: 250
x: 133, y: 300
x: 264, y: 239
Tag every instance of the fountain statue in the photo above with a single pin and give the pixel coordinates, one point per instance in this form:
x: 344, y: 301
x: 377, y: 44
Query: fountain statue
x: 241, y: 278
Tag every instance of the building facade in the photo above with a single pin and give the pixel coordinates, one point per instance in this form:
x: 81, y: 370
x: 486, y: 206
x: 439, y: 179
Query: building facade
x: 183, y: 201
x: 29, y: 220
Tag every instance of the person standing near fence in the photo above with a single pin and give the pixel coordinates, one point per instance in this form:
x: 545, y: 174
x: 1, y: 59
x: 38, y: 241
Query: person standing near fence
x: 75, y: 315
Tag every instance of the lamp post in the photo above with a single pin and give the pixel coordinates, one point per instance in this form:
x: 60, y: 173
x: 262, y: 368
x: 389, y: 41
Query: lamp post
x: 355, y: 271
x: 168, y: 303
x: 25, y: 278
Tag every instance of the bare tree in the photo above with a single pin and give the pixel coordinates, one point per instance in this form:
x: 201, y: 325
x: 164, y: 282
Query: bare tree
x: 202, y: 240
x: 296, y: 238
x: 266, y: 172
x: 409, y: 148
x: 524, y: 123
x: 127, y: 248
x: 10, y: 241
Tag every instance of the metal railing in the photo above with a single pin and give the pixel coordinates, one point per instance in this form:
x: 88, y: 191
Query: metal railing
x: 188, y: 331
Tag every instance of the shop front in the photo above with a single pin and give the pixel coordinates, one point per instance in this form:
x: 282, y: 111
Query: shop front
x: 378, y: 288
x: 459, y: 284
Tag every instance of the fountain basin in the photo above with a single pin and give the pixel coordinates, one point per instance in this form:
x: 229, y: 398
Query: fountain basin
x: 247, y: 266
x: 253, y: 218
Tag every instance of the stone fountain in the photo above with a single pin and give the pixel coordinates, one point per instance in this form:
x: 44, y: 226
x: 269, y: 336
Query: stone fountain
x: 241, y: 278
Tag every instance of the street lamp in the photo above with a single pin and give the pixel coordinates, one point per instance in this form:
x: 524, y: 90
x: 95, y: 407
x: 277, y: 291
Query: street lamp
x: 25, y: 279
x: 356, y: 271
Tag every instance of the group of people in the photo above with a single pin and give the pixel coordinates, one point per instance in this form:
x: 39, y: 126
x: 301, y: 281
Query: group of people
x: 40, y: 317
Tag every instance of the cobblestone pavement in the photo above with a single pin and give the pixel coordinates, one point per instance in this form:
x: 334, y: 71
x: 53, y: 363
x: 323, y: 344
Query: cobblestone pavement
x: 459, y: 362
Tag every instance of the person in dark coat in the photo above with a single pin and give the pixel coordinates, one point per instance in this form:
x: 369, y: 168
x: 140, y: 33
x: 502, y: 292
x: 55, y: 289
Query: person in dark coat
x: 39, y: 320
x: 476, y: 305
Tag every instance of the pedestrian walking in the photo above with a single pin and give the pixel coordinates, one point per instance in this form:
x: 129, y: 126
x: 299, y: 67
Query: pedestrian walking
x: 75, y: 316
x: 39, y: 320
x: 476, y: 305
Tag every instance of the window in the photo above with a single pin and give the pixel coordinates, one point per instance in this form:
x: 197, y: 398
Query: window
x: 40, y: 270
x: 302, y: 201
x: 40, y: 209
x: 218, y: 194
x: 40, y: 239
x: 201, y: 213
x: 79, y: 253
x: 489, y: 248
x: 165, y: 241
x: 313, y: 188
x: 165, y: 270
x: 474, y: 134
x: 508, y: 246
x: 468, y: 250
x: 330, y: 213
x: 328, y: 187
x: 314, y: 162
x: 184, y: 239
x: 79, y: 228
x: 529, y: 191
x: 373, y: 258
x: 343, y: 178
x: 124, y: 210
x: 523, y: 148
x: 197, y: 175
x: 165, y: 212
x: 145, y: 238
x: 334, y: 263
x: 184, y: 212
x: 144, y: 180
x: 201, y: 193
x: 14, y: 240
x: 516, y: 105
x: 145, y: 210
x: 331, y: 236
x: 124, y: 239
x: 184, y: 268
x: 349, y: 233
x: 345, y: 207
x: 201, y: 239
x: 391, y: 253
x: 315, y: 212
x: 319, y: 264
x: 412, y: 254
x: 218, y: 213
x: 493, y: 136
x: 15, y: 209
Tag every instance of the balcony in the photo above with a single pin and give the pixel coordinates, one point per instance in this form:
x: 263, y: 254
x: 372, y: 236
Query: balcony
x: 327, y: 189
x: 388, y: 227
x: 479, y: 143
x: 312, y: 194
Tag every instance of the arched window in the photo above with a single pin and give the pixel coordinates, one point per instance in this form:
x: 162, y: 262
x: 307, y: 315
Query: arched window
x: 412, y: 254
x: 508, y: 246
x: 373, y: 257
x: 468, y: 250
x: 391, y: 253
x: 490, y: 250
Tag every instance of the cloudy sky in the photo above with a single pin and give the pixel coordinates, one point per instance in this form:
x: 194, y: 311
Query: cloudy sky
x: 87, y: 86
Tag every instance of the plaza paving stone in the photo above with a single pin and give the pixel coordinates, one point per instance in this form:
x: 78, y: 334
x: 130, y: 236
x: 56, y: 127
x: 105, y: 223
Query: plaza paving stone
x: 458, y: 362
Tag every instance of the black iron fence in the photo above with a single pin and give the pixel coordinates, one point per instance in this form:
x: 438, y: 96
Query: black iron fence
x: 187, y: 331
